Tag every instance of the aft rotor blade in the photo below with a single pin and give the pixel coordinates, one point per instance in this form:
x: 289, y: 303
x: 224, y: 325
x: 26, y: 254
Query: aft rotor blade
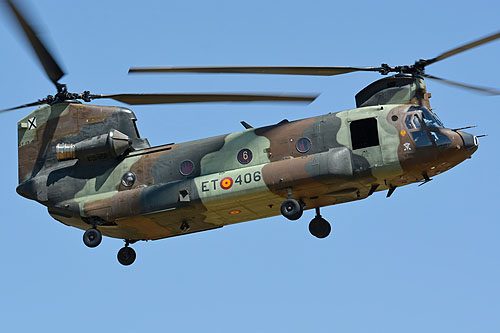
x: 54, y: 72
x: 463, y: 48
x: 314, y: 70
x: 143, y: 99
x: 23, y: 106
x: 483, y: 90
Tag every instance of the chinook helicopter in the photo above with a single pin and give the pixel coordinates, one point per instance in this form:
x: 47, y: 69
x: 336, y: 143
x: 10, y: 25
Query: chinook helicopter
x: 89, y: 166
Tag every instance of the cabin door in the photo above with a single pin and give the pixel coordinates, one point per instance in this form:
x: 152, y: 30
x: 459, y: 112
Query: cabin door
x: 365, y: 141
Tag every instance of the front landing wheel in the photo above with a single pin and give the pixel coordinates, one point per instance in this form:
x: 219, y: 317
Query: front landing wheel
x: 92, y: 237
x: 126, y: 256
x: 291, y: 209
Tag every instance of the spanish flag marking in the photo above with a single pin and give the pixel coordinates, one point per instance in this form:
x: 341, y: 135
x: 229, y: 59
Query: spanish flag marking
x: 226, y: 183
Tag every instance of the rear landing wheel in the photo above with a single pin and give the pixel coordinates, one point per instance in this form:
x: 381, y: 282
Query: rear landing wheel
x: 92, y: 237
x: 126, y: 256
x: 319, y: 227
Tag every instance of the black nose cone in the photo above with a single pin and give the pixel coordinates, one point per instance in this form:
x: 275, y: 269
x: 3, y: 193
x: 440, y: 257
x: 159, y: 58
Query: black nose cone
x: 470, y: 141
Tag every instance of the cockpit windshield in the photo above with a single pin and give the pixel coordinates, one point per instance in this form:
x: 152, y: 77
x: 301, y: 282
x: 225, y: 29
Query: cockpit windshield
x: 415, y: 121
x: 430, y: 119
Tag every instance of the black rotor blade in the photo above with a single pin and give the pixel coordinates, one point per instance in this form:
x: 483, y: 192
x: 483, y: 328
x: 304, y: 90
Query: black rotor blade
x: 314, y: 70
x: 143, y: 99
x: 463, y: 48
x: 483, y: 90
x: 23, y: 106
x: 54, y: 72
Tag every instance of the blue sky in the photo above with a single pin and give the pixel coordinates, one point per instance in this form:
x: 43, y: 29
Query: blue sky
x: 427, y: 259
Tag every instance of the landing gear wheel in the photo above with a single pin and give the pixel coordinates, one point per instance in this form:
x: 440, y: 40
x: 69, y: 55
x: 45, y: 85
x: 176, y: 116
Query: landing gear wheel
x: 126, y: 256
x: 291, y: 209
x: 92, y: 237
x: 319, y: 227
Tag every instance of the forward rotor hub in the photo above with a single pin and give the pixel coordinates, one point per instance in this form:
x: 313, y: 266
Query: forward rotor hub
x: 418, y: 68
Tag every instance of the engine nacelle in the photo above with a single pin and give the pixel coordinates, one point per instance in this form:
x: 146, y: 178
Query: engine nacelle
x: 101, y: 147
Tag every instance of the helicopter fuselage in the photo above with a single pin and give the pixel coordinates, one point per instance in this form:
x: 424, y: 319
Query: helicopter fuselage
x: 89, y: 166
x: 69, y: 162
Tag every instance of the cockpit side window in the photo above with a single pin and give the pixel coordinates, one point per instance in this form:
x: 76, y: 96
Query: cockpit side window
x: 408, y: 122
x: 412, y: 122
x: 419, y: 136
x: 416, y: 121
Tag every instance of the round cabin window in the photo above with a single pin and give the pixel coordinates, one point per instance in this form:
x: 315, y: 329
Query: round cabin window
x: 186, y: 167
x: 303, y: 145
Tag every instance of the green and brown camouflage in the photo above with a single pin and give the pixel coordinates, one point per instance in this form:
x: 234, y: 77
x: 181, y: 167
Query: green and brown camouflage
x: 91, y: 168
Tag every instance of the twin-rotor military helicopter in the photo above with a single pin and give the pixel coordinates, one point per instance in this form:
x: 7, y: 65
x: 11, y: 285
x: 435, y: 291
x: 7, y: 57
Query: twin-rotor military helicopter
x: 88, y: 165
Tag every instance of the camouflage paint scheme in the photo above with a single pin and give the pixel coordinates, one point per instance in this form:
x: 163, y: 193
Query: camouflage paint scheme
x: 83, y: 193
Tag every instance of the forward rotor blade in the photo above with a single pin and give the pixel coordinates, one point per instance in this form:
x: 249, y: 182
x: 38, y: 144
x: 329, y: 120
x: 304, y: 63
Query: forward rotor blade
x: 54, y: 72
x: 463, y: 48
x: 23, y: 106
x: 143, y: 99
x: 483, y: 90
x: 325, y: 71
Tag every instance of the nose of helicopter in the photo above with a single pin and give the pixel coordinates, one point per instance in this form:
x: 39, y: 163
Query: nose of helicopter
x: 470, y: 142
x: 454, y: 147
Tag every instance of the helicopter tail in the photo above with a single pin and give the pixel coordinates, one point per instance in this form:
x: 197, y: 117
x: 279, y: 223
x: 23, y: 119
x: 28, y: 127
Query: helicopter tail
x: 31, y: 144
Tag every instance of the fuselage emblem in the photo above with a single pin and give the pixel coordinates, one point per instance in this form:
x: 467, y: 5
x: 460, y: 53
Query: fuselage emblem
x: 226, y: 183
x: 244, y: 156
x: 32, y: 123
